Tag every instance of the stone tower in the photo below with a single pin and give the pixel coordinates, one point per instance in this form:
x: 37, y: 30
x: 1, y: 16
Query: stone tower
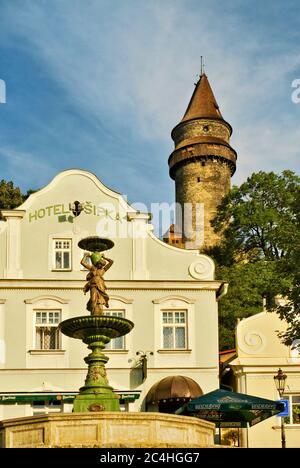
x: 201, y: 164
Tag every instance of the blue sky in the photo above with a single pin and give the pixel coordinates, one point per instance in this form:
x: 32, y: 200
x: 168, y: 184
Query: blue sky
x: 99, y: 84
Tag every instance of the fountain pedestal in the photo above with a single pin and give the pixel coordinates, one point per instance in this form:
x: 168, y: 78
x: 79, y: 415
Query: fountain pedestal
x: 96, y: 331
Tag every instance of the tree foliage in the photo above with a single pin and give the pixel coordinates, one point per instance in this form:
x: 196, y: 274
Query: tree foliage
x: 259, y: 254
x: 11, y: 196
x: 258, y: 219
x: 290, y: 312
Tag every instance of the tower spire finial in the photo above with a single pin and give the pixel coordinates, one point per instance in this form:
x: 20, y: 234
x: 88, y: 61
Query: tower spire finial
x: 202, y: 66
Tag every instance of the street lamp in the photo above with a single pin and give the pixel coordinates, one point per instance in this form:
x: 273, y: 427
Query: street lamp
x: 279, y: 380
x: 142, y: 362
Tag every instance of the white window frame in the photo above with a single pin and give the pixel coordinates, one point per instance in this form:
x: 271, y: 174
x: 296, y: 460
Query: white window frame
x: 174, y: 325
x: 63, y: 250
x: 184, y: 356
x: 115, y: 313
x: 46, y: 325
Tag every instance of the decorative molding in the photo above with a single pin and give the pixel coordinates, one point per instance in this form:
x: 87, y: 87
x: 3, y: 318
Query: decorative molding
x: 46, y: 298
x: 174, y: 351
x: 172, y: 298
x: 121, y: 299
x: 57, y: 270
x: 202, y: 268
x: 112, y: 285
x: 46, y: 352
x: 253, y: 342
x: 13, y: 213
x: 265, y: 370
x: 88, y: 175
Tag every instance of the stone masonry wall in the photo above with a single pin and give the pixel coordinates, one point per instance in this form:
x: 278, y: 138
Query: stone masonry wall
x: 201, y: 127
x: 203, y: 182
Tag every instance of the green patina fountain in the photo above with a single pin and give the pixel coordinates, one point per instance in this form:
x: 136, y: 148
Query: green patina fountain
x: 96, y: 330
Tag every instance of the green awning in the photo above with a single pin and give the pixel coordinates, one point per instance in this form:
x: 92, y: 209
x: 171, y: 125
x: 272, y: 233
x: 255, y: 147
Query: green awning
x: 29, y: 397
x: 13, y: 398
x: 231, y: 409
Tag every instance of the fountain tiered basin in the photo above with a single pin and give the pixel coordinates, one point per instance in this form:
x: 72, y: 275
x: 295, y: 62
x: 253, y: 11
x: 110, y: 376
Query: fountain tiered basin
x: 96, y: 332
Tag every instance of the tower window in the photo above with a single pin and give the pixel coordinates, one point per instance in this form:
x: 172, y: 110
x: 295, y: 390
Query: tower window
x: 206, y: 128
x: 203, y: 164
x: 198, y: 179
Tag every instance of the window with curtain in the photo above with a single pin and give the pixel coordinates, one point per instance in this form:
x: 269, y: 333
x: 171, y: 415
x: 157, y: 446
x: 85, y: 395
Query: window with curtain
x: 47, y: 335
x: 62, y: 254
x: 174, y: 329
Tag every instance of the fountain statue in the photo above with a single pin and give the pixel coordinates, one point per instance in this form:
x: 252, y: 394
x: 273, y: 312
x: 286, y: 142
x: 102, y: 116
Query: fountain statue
x: 96, y: 330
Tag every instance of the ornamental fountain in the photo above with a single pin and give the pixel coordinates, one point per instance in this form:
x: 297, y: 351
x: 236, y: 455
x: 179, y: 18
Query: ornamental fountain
x: 96, y: 330
x: 96, y: 420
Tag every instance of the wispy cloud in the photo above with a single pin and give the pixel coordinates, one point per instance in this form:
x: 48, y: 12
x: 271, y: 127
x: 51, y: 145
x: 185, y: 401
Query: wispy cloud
x: 29, y: 169
x: 129, y: 70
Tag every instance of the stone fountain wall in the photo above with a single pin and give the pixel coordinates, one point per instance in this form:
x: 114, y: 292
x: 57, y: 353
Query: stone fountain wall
x: 106, y: 430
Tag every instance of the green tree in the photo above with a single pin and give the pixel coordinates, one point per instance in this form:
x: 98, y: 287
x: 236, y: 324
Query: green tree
x: 259, y: 223
x: 257, y: 220
x: 10, y: 196
x: 291, y: 266
x: 251, y: 286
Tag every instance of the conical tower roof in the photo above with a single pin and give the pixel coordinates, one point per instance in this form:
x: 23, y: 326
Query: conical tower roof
x: 202, y: 133
x: 203, y: 103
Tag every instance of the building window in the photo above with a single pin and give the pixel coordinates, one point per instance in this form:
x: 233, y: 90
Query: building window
x: 46, y: 407
x: 62, y: 254
x: 294, y: 410
x: 47, y: 335
x: 116, y: 343
x: 174, y: 329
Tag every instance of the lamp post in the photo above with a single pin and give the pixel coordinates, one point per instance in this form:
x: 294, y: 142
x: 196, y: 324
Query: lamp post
x: 142, y: 361
x: 279, y: 380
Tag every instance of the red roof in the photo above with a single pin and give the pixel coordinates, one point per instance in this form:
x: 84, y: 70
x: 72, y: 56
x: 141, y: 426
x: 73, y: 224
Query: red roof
x: 203, y: 102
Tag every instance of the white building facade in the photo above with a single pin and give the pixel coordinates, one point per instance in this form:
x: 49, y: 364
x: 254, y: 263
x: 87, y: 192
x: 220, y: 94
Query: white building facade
x: 260, y: 355
x: 170, y: 294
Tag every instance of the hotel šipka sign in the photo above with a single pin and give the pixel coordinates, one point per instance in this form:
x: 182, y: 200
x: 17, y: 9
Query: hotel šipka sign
x: 64, y: 213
